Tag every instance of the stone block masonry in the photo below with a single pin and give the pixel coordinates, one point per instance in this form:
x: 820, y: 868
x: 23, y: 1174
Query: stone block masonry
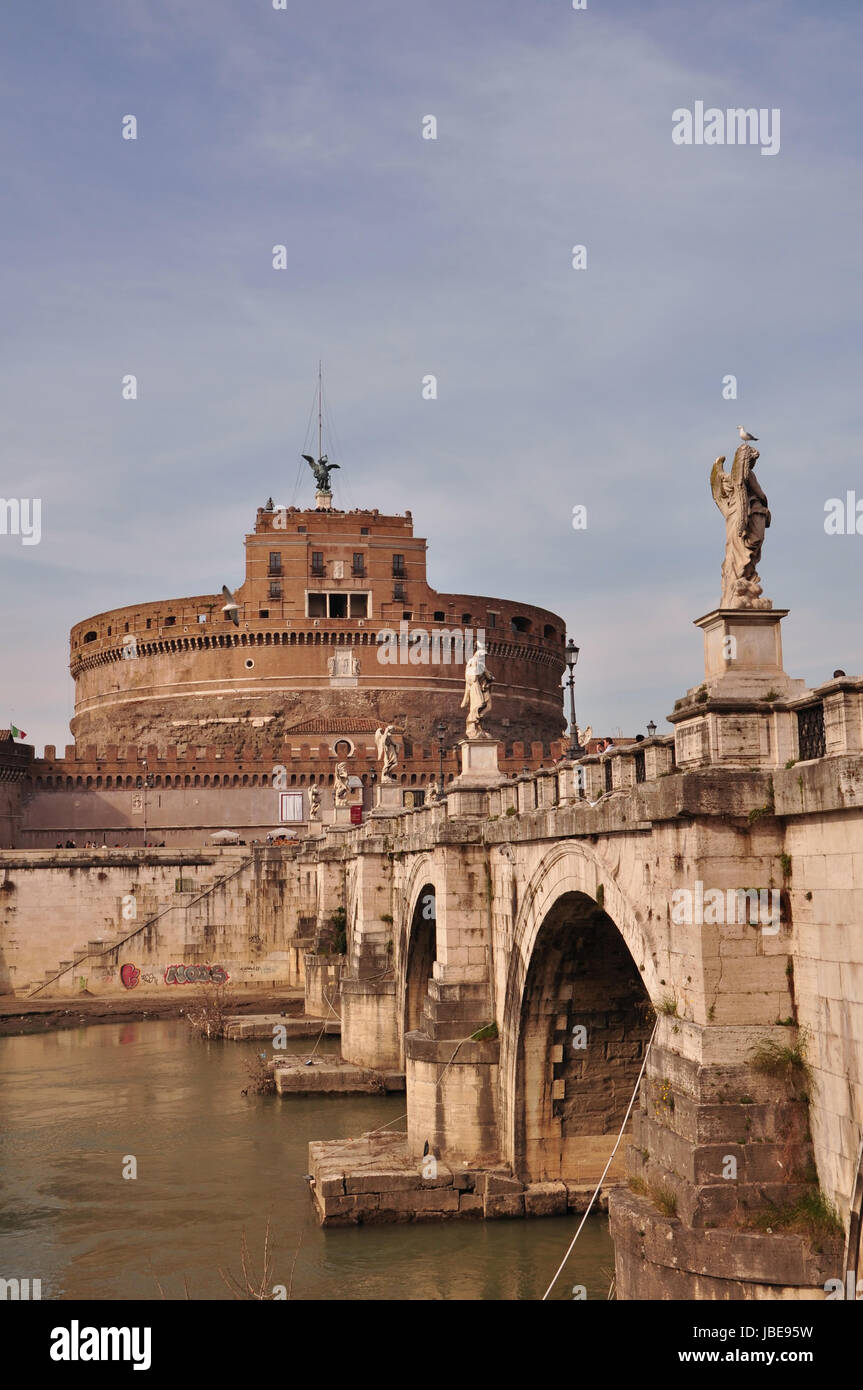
x: 374, y: 1179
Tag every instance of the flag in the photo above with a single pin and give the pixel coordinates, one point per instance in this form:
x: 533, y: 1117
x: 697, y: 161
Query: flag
x: 17, y: 733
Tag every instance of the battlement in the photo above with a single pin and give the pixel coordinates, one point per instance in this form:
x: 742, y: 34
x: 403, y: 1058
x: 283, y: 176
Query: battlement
x: 112, y: 765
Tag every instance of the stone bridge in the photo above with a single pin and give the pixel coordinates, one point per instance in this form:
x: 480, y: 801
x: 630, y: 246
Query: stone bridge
x: 516, y: 948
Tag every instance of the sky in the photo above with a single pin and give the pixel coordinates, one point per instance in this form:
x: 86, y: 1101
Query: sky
x: 557, y: 387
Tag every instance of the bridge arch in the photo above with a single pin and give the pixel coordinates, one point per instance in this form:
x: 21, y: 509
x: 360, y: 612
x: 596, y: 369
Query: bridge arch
x: 581, y: 957
x: 417, y: 942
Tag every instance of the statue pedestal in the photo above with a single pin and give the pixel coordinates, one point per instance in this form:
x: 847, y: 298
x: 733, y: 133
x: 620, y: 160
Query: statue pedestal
x: 739, y: 714
x: 743, y: 654
x: 479, y: 763
x: 323, y: 501
x: 341, y: 815
x: 479, y: 772
x: 315, y: 830
x: 388, y: 800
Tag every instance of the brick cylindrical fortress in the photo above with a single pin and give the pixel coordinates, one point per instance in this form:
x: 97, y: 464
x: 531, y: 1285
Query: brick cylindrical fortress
x: 332, y: 617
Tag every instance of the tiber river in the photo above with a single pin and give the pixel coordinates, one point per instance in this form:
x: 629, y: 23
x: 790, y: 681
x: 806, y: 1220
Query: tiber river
x: 211, y: 1163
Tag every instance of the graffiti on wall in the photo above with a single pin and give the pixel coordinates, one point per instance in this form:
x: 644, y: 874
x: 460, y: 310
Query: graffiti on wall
x: 131, y: 976
x: 196, y: 975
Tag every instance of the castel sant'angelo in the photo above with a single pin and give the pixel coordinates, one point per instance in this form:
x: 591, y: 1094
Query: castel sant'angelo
x: 334, y: 633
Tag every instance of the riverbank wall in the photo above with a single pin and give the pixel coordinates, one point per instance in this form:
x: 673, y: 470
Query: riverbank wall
x: 76, y: 922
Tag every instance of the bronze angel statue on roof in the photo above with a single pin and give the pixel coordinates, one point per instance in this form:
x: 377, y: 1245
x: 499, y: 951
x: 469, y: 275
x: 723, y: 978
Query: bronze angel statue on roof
x: 322, y: 470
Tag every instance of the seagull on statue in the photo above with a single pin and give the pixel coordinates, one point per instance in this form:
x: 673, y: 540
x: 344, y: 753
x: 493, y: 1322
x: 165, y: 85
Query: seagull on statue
x: 746, y: 436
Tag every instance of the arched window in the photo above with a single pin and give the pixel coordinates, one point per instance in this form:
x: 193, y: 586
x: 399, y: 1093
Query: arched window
x: 91, y: 636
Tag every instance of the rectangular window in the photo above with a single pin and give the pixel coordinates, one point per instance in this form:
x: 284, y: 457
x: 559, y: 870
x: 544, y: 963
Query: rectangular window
x: 317, y: 562
x: 398, y: 566
x: 302, y: 529
x: 169, y: 622
x: 148, y: 622
x: 358, y: 566
x: 275, y: 589
x: 338, y: 605
x: 202, y: 617
x: 398, y: 590
x: 263, y: 612
x: 359, y: 605
x: 364, y: 530
x: 317, y: 605
x: 290, y: 806
x: 275, y: 566
x: 492, y: 620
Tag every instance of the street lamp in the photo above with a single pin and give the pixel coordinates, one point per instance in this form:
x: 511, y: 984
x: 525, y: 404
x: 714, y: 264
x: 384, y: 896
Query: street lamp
x: 441, y: 735
x: 651, y: 729
x: 575, y: 749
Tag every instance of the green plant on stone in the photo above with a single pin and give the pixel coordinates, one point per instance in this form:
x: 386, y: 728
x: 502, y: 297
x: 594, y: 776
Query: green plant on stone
x: 784, y: 1062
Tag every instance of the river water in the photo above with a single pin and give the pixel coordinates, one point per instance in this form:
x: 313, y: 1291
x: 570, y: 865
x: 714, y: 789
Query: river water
x: 211, y: 1164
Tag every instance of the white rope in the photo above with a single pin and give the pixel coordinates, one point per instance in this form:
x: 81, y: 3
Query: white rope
x: 607, y: 1166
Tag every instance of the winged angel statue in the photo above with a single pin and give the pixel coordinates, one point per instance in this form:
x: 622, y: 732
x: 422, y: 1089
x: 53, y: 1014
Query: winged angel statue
x: 739, y: 497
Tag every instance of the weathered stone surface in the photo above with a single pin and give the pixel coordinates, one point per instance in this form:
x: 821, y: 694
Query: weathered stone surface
x: 503, y: 1204
x: 494, y: 1183
x: 430, y: 1199
x: 545, y: 1199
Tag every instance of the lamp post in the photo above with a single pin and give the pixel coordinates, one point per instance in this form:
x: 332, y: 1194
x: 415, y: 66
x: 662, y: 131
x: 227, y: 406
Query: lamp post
x: 651, y: 729
x: 575, y: 749
x: 441, y: 735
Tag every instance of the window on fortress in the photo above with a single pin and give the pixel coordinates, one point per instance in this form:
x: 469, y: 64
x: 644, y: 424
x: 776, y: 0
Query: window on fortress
x: 548, y: 631
x: 263, y: 612
x: 492, y: 619
x: 202, y: 617
x: 169, y: 622
x: 520, y: 624
x: 275, y: 589
x: 465, y: 617
x: 125, y: 627
x: 317, y: 605
x: 90, y: 636
x: 338, y: 605
x: 317, y: 562
x: 364, y: 530
x: 398, y: 566
x: 439, y: 617
x: 358, y: 564
x: 359, y: 605
x: 149, y: 620
x: 275, y: 566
